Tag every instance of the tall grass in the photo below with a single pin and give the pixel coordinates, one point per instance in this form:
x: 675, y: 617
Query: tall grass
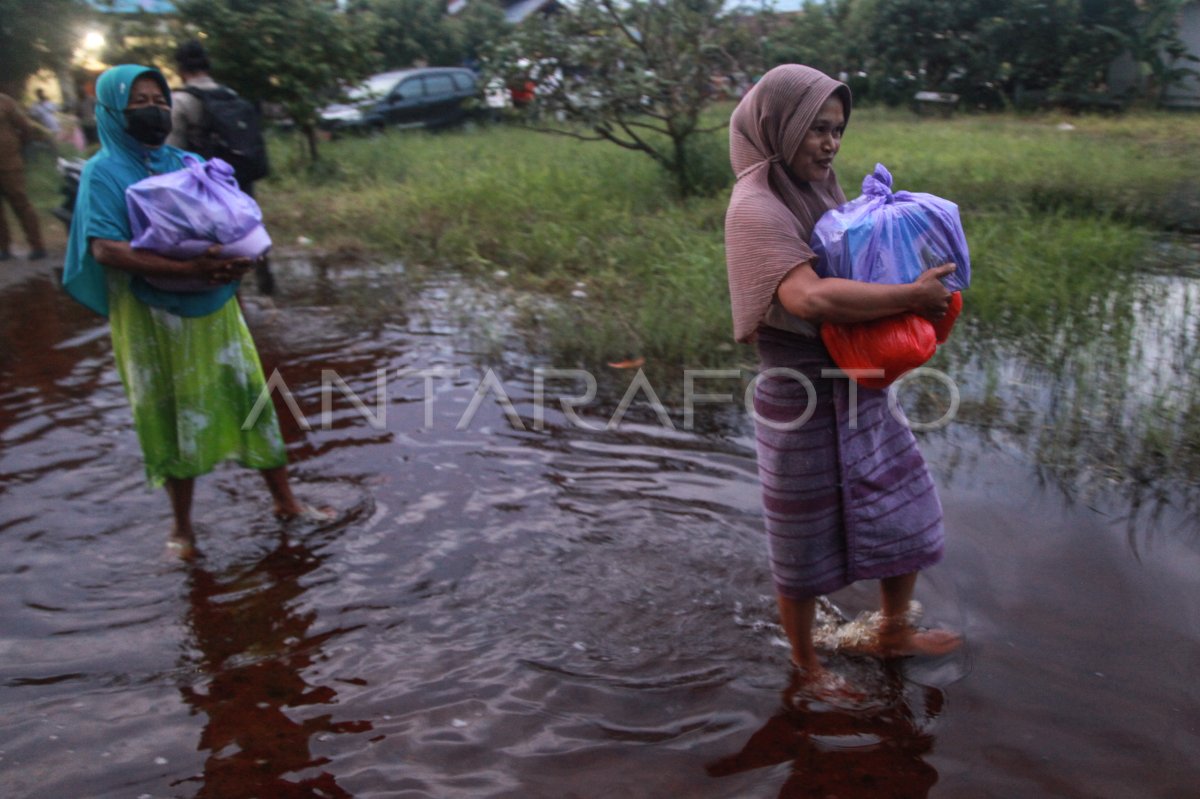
x: 1139, y: 169
x: 555, y: 214
x: 1065, y: 216
x: 1051, y: 213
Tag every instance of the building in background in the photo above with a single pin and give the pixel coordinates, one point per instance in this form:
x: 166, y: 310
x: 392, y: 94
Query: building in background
x: 1125, y: 75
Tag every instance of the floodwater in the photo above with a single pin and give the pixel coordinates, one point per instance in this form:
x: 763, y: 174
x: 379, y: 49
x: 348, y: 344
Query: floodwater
x: 508, y: 611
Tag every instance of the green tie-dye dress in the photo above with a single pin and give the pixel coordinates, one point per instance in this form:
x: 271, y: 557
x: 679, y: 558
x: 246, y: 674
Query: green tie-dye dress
x: 193, y: 376
x: 192, y: 383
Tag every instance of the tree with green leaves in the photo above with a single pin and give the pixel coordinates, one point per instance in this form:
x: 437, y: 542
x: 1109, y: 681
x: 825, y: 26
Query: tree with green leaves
x: 477, y: 26
x: 993, y: 52
x: 141, y: 39
x: 296, y: 53
x: 37, y: 35
x: 635, y: 73
x: 422, y: 31
x: 410, y: 31
x: 1152, y: 40
x: 814, y: 36
x: 744, y: 36
x: 930, y: 44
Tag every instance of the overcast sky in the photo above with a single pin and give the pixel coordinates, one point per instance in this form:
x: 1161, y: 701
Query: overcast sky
x: 777, y: 5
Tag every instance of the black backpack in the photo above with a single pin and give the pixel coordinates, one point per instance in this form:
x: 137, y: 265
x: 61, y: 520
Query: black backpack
x: 231, y: 132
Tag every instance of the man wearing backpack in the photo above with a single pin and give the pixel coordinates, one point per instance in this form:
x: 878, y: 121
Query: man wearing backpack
x: 214, y: 121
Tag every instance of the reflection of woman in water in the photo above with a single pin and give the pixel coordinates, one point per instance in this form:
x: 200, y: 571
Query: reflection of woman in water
x: 254, y: 649
x: 875, y: 752
x: 187, y: 361
x: 846, y: 494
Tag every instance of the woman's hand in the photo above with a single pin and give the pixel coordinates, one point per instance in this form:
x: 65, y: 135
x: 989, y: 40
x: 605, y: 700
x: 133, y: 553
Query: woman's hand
x: 831, y: 299
x: 930, y: 298
x: 220, y: 270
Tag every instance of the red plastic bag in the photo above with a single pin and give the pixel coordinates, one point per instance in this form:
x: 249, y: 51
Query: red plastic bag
x: 895, y: 344
x: 943, y: 326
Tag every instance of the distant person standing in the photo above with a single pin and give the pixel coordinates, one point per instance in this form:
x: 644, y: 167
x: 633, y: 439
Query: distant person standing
x: 85, y: 111
x: 16, y: 129
x: 45, y: 112
x: 213, y: 121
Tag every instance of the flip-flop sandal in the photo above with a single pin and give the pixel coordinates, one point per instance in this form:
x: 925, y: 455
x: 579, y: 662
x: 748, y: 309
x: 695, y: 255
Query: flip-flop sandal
x: 184, y: 550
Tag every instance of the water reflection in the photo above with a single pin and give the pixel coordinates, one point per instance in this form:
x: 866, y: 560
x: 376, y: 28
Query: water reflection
x: 1101, y: 397
x: 1104, y: 401
x: 870, y: 749
x: 539, y: 613
x: 255, y: 649
x: 54, y: 362
x: 1105, y: 395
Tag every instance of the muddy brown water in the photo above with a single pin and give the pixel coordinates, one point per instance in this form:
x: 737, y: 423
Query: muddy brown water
x: 562, y: 612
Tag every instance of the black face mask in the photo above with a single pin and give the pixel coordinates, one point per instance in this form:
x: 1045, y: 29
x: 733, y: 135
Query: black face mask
x: 149, y: 124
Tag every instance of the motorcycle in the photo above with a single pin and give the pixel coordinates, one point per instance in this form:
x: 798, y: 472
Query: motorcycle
x: 69, y: 169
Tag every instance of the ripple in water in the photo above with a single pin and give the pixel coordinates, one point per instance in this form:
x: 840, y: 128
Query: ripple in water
x: 509, y: 612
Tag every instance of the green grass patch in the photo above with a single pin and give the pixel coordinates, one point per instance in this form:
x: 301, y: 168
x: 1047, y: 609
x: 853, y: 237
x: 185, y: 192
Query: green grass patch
x: 1141, y: 169
x: 1053, y: 216
x: 599, y: 227
x: 1066, y: 218
x: 1068, y: 228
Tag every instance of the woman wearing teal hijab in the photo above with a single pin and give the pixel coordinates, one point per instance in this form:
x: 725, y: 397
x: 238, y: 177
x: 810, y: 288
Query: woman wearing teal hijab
x: 187, y: 361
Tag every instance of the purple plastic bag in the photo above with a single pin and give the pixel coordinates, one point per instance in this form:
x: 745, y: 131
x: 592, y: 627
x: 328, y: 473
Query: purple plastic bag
x: 883, y: 237
x: 181, y: 214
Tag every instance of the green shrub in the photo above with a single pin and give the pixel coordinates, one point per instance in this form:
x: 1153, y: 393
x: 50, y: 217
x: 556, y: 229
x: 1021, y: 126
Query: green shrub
x: 1058, y: 219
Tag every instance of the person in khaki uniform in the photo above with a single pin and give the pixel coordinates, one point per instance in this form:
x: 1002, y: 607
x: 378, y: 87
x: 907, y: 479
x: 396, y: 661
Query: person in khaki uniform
x: 15, y: 130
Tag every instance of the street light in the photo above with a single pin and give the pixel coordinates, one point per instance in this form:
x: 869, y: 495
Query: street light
x: 93, y: 41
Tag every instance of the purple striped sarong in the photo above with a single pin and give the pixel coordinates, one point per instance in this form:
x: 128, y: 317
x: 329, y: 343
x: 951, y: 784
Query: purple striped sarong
x: 845, y: 497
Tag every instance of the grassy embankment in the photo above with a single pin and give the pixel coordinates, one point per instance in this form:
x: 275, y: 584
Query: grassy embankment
x: 1063, y: 223
x: 1063, y: 226
x: 1052, y: 216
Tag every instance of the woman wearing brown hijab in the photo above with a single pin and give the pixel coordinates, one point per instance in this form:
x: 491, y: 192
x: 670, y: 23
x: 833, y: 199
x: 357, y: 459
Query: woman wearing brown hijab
x: 846, y: 494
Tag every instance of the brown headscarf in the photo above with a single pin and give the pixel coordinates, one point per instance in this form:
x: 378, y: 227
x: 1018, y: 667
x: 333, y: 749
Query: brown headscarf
x: 771, y: 214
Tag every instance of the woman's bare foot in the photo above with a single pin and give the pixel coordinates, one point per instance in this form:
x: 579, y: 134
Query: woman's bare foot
x: 182, y: 543
x: 817, y: 683
x: 805, y: 666
x: 903, y: 640
x: 289, y: 509
x: 305, y: 512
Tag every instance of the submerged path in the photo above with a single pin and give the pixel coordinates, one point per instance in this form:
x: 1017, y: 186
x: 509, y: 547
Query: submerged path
x: 510, y: 611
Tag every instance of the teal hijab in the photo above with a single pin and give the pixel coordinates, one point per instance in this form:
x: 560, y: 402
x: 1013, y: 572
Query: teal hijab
x: 100, y: 205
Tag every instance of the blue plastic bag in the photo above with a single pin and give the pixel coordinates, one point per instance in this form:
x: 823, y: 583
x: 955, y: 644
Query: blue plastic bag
x: 181, y: 214
x: 885, y: 237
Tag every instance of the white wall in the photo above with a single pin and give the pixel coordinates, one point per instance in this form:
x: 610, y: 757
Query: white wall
x: 1186, y: 94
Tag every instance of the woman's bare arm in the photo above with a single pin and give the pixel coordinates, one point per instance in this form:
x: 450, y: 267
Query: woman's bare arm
x: 218, y: 270
x: 816, y: 299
